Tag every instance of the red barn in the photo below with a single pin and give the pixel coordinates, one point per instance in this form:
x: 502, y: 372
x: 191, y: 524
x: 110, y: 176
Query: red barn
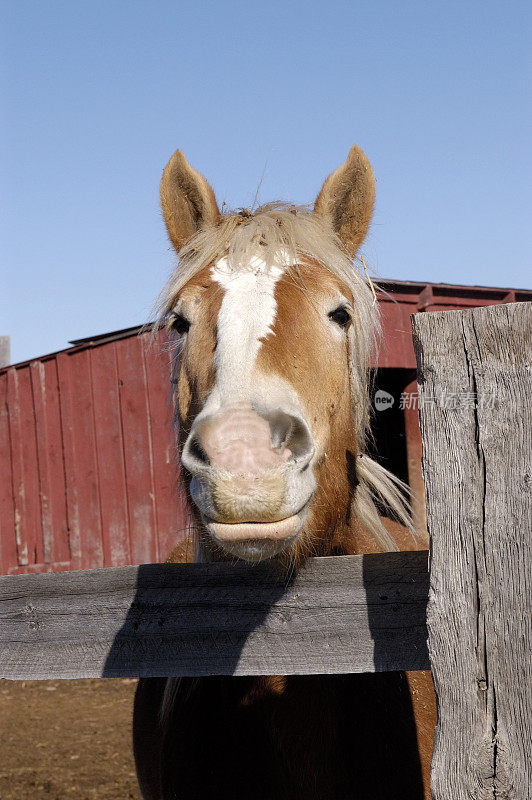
x: 87, y: 470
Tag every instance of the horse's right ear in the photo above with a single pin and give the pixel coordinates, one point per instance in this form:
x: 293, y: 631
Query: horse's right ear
x: 187, y: 201
x: 346, y: 200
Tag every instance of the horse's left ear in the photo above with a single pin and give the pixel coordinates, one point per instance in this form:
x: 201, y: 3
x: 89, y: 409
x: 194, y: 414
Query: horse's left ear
x: 346, y: 199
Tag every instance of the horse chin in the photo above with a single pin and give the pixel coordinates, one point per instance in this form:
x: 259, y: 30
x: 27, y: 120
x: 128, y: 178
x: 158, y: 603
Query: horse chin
x: 256, y: 541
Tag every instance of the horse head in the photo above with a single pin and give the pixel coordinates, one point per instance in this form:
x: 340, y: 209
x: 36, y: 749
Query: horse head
x: 274, y: 327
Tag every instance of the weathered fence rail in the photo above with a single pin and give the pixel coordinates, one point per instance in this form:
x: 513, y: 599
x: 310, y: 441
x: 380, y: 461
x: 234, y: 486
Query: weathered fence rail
x: 349, y: 614
x: 475, y: 389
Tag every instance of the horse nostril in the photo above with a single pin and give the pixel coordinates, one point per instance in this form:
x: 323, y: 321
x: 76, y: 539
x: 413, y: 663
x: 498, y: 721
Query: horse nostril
x: 197, y: 452
x: 291, y: 432
x: 280, y: 428
x: 299, y: 440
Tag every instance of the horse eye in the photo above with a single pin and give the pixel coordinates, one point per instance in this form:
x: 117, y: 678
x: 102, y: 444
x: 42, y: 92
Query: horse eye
x: 179, y: 324
x: 341, y: 316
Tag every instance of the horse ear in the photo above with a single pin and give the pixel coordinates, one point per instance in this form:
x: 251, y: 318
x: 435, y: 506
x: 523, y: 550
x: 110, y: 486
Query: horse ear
x: 187, y: 201
x: 346, y: 199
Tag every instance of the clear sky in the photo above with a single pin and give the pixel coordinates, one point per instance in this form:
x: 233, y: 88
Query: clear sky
x: 97, y: 95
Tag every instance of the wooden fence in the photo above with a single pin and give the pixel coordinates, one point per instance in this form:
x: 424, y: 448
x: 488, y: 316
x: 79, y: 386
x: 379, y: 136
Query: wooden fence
x: 356, y: 613
x: 475, y: 382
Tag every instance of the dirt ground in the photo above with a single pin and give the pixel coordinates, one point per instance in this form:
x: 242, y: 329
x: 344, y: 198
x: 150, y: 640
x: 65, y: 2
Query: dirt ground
x: 67, y: 740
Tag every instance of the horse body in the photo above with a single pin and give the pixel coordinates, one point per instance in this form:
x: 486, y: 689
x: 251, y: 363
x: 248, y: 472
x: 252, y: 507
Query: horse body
x: 275, y: 329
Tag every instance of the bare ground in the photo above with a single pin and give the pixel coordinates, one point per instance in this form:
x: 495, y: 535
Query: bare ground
x: 67, y: 740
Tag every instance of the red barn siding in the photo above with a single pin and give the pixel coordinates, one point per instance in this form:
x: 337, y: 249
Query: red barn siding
x: 112, y: 486
x: 8, y: 548
x: 400, y: 299
x: 87, y: 470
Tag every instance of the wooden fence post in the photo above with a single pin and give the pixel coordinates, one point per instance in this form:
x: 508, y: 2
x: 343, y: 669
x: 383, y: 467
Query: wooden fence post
x: 475, y: 415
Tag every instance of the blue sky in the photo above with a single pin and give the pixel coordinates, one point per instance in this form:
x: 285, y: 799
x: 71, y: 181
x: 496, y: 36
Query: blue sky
x: 97, y: 95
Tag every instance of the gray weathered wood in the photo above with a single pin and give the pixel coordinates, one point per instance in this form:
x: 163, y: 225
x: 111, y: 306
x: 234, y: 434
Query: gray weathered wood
x: 477, y: 470
x: 343, y: 614
x: 5, y: 351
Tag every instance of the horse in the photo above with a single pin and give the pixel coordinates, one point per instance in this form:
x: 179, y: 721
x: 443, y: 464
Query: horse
x: 273, y: 328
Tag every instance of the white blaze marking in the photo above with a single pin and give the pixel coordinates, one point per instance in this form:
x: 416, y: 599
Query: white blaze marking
x: 246, y: 317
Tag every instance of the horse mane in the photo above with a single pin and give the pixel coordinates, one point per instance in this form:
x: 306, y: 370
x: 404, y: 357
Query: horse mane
x: 301, y: 235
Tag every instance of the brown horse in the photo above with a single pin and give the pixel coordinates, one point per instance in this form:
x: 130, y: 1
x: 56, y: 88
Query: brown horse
x: 275, y: 328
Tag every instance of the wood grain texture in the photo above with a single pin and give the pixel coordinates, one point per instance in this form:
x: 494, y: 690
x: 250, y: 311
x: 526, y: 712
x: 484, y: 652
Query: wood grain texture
x: 475, y: 414
x: 51, y: 470
x: 109, y: 435
x: 168, y: 487
x: 5, y: 351
x: 72, y: 486
x: 337, y: 615
x: 8, y: 520
x: 138, y: 450
x: 25, y: 467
